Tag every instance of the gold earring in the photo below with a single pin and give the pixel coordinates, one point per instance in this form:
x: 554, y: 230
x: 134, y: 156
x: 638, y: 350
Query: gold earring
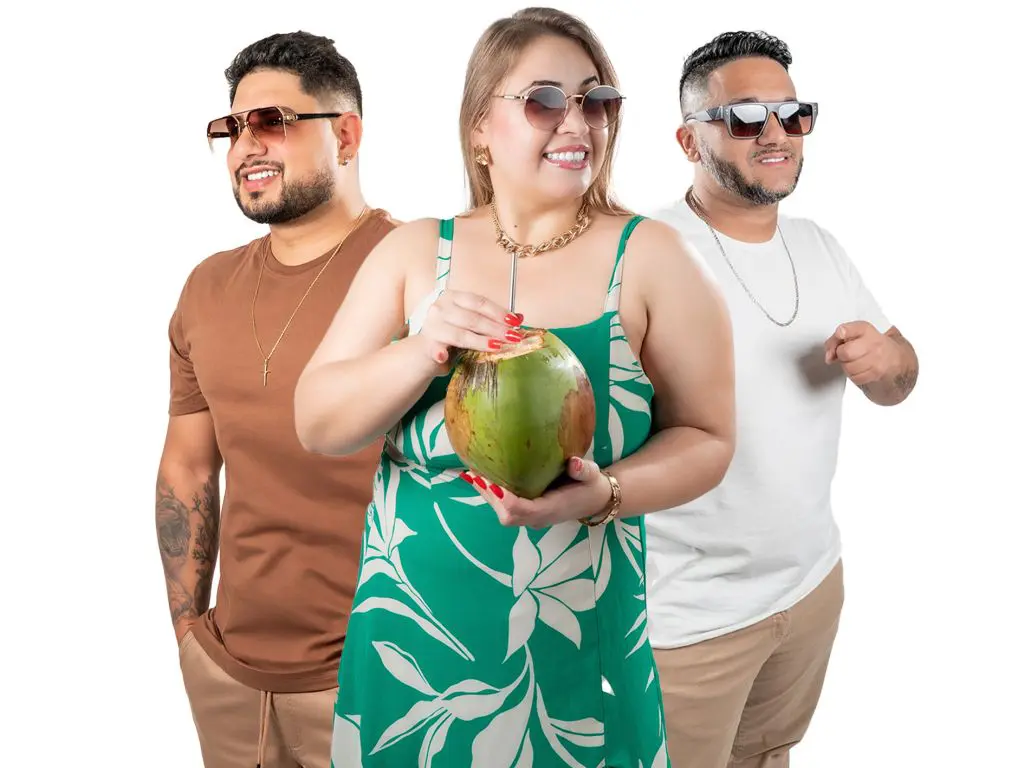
x: 483, y: 156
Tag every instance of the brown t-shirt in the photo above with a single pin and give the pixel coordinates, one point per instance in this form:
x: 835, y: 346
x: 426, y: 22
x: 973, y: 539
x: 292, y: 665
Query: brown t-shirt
x: 291, y: 521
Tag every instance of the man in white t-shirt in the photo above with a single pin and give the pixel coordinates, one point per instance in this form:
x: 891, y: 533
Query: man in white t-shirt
x: 745, y: 584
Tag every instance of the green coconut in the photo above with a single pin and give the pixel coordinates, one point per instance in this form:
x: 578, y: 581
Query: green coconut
x: 518, y: 414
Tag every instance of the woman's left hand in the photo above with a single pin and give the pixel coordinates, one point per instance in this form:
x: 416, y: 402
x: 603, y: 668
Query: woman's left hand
x: 586, y: 493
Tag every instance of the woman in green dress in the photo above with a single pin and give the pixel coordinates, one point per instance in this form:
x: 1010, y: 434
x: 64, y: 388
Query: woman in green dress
x: 490, y: 630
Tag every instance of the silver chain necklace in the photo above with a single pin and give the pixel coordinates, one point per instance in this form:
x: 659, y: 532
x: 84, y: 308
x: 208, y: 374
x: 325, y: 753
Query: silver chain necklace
x: 691, y: 201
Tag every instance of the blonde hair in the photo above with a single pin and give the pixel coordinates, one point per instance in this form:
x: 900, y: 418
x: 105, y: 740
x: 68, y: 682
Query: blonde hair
x: 494, y: 55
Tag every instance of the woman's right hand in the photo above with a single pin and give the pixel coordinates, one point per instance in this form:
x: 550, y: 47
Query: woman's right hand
x: 466, y: 321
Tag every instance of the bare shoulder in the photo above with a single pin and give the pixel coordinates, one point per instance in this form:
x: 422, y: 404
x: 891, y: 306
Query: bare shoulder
x: 659, y: 255
x: 407, y: 238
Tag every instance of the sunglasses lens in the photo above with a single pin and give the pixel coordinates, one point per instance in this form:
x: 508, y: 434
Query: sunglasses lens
x: 545, y: 107
x: 747, y: 120
x: 601, y: 106
x: 267, y: 123
x: 797, y: 119
x: 223, y: 128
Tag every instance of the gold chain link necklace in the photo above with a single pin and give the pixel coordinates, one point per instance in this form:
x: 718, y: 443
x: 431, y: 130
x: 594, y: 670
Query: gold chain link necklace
x: 523, y: 251
x: 252, y: 312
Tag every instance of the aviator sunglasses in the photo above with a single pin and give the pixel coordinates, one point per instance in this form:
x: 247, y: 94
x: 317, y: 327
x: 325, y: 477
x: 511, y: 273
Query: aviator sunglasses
x: 748, y: 120
x: 266, y: 124
x: 546, y: 106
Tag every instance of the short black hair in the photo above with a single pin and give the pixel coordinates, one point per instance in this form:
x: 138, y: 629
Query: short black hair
x: 723, y: 49
x: 323, y: 72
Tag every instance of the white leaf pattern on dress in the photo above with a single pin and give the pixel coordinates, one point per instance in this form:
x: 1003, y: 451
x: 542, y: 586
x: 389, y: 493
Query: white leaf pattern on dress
x: 598, y: 540
x: 502, y: 578
x: 433, y: 741
x: 553, y: 735
x: 521, y: 621
x: 526, y: 562
x: 403, y: 667
x: 628, y: 399
x: 577, y: 594
x: 526, y: 755
x: 419, y: 715
x: 629, y: 537
x: 557, y: 616
x: 465, y: 700
x: 570, y: 564
x: 640, y: 623
x: 661, y: 758
x: 498, y: 745
x: 587, y: 732
x: 345, y: 746
x: 401, y: 609
x: 382, y: 558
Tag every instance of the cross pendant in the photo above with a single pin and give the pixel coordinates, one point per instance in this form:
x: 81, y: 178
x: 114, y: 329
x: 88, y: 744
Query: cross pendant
x: 266, y: 370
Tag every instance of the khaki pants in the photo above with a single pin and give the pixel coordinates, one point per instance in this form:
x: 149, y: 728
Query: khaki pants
x: 240, y: 727
x: 745, y: 699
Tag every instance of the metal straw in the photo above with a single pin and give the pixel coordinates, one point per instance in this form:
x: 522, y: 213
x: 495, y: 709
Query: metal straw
x: 512, y: 284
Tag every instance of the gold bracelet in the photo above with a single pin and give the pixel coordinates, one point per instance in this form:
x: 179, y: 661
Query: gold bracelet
x: 611, y: 509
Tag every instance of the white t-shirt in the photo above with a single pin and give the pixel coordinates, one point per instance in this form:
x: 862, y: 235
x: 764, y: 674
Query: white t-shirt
x: 765, y: 537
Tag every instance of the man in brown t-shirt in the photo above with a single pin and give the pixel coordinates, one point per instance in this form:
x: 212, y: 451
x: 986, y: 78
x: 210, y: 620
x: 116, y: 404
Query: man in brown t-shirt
x: 260, y: 668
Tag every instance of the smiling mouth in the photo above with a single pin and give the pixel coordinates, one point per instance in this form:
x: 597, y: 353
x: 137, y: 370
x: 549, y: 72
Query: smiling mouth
x: 574, y: 159
x: 260, y: 175
x: 774, y: 160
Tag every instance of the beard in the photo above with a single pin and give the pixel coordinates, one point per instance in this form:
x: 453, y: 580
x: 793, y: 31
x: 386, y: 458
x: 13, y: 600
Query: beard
x: 729, y: 176
x: 297, y: 199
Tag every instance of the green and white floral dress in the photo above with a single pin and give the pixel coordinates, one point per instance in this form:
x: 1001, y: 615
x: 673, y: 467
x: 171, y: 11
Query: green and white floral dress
x: 475, y: 644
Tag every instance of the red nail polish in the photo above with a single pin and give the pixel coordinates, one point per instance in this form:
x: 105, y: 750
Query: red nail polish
x: 494, y: 344
x: 496, y: 490
x: 466, y: 476
x: 513, y: 319
x: 514, y: 336
x: 577, y: 465
x: 481, y: 482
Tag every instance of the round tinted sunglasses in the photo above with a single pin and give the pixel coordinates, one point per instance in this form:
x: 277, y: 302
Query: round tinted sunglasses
x: 749, y: 119
x: 546, y: 106
x: 267, y: 124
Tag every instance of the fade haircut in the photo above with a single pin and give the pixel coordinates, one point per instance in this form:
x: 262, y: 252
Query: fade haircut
x: 727, y: 47
x: 323, y: 73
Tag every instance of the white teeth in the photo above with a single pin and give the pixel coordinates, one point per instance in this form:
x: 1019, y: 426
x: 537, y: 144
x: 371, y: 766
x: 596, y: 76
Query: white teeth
x: 773, y: 160
x: 566, y: 157
x: 261, y: 175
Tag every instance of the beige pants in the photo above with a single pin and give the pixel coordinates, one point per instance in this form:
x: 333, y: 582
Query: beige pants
x: 745, y: 699
x: 240, y: 727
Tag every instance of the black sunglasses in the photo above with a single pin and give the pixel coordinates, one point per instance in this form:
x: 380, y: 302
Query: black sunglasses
x: 748, y: 120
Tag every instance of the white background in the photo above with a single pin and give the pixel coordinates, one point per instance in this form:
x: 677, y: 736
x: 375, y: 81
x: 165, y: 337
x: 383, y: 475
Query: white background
x: 111, y: 196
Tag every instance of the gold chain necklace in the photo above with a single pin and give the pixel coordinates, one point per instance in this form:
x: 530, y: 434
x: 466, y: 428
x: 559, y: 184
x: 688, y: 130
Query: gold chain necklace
x: 522, y: 251
x: 266, y: 356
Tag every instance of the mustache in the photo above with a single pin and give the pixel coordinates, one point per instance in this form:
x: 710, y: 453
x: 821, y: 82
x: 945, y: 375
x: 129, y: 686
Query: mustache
x: 773, y: 151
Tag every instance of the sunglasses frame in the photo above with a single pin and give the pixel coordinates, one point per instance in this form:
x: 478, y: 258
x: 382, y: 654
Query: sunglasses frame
x: 725, y: 112
x: 288, y: 115
x: 578, y: 98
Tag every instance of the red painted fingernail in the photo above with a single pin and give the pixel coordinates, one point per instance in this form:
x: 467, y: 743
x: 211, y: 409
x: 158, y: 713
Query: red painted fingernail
x: 496, y: 490
x: 494, y: 344
x: 513, y: 319
x: 466, y: 476
x: 481, y: 482
x: 514, y: 336
x: 577, y: 465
